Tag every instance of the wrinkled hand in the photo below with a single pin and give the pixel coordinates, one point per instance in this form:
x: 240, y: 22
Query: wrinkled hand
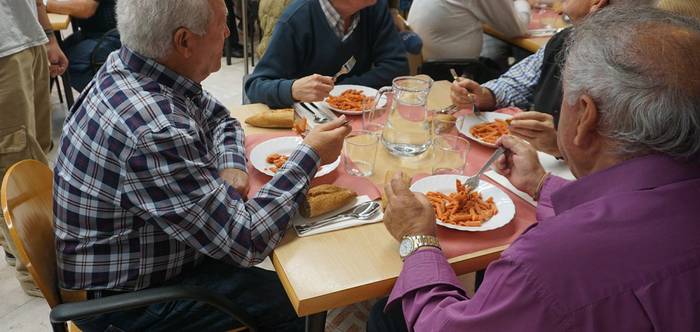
x: 465, y: 93
x: 312, y: 88
x: 57, y: 60
x: 407, y: 213
x: 238, y: 179
x: 538, y: 129
x: 327, y: 139
x: 520, y: 164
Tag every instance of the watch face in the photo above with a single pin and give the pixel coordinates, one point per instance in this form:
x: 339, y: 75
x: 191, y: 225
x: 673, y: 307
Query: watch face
x: 405, y: 247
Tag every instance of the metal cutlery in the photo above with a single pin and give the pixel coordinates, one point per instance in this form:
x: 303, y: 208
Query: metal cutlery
x: 364, y: 211
x: 475, y: 108
x: 473, y: 181
x: 346, y: 68
x: 319, y: 117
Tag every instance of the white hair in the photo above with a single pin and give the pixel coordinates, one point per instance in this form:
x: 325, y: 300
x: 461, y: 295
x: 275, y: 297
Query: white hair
x: 147, y: 26
x: 641, y: 67
x: 633, y: 3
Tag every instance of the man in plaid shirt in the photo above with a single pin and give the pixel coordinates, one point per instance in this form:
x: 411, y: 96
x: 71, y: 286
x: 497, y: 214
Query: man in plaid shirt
x: 150, y: 182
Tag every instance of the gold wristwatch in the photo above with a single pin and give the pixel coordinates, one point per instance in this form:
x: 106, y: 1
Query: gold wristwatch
x: 411, y: 243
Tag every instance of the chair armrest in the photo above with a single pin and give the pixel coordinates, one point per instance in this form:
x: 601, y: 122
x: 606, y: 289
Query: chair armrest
x: 137, y: 299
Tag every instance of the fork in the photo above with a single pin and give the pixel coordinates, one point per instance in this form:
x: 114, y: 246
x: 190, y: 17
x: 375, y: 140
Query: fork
x: 473, y: 181
x: 346, y: 68
x: 318, y: 116
x: 475, y: 108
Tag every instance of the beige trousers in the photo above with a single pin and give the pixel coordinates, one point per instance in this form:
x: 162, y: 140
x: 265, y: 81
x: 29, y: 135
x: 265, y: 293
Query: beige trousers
x: 25, y: 126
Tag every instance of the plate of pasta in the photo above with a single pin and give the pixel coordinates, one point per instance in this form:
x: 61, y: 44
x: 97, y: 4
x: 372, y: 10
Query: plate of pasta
x: 487, y: 128
x: 462, y: 208
x: 269, y: 156
x: 351, y: 99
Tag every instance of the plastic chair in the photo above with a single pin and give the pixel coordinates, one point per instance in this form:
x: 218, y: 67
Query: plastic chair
x: 26, y: 200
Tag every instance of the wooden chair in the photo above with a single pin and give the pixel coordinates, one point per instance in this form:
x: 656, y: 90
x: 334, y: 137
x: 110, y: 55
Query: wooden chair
x: 26, y: 200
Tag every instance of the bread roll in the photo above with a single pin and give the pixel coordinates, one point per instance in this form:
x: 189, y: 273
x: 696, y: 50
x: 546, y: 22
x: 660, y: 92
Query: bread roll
x: 325, y: 198
x: 282, y: 118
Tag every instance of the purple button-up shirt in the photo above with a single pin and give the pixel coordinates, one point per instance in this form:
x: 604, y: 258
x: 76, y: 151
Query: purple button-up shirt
x: 619, y: 252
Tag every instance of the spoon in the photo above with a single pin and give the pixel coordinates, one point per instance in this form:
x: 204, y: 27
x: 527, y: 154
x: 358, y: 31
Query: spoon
x: 363, y: 211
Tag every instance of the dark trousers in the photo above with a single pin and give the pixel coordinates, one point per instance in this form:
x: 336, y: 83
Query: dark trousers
x: 86, y: 53
x: 257, y: 291
x: 390, y: 321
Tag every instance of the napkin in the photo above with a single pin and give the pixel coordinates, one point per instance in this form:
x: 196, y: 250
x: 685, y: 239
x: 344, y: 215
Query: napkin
x: 550, y: 164
x: 299, y: 220
x: 309, y: 116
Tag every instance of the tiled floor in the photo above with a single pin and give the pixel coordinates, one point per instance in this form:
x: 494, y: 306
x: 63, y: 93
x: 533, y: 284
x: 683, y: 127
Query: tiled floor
x: 19, y: 312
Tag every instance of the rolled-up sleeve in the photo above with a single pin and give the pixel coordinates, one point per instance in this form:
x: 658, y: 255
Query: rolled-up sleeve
x: 433, y: 300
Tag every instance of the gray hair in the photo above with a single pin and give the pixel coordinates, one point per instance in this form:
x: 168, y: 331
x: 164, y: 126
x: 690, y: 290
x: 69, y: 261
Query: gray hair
x: 147, y: 26
x: 641, y: 66
x: 633, y: 3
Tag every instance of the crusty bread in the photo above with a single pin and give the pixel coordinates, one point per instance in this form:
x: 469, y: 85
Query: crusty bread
x: 325, y: 198
x: 282, y: 118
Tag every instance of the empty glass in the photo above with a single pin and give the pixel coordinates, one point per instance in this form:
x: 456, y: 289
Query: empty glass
x: 360, y: 151
x: 449, y: 154
x: 445, y: 124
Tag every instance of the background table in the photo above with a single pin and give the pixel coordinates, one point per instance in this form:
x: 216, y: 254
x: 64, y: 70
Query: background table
x: 339, y: 268
x: 531, y: 44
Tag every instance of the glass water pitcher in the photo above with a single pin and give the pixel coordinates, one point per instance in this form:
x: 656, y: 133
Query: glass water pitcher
x: 406, y: 125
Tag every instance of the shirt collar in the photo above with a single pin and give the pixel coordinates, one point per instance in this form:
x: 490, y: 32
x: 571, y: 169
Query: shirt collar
x: 641, y: 173
x: 336, y: 22
x: 163, y: 75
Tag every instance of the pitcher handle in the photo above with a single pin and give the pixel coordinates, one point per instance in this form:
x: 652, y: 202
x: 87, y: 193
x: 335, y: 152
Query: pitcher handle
x: 368, y: 115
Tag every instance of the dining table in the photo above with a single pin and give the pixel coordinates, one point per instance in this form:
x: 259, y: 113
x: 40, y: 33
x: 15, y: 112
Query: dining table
x: 541, y: 18
x: 342, y: 267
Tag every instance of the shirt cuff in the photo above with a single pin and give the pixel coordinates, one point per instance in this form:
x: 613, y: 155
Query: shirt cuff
x: 426, y: 267
x: 232, y: 160
x: 545, y: 207
x: 285, y: 92
x: 306, y: 158
x: 499, y: 92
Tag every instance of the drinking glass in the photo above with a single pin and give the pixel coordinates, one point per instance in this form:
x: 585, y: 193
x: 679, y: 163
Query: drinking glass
x: 449, y: 154
x: 360, y: 151
x: 445, y: 124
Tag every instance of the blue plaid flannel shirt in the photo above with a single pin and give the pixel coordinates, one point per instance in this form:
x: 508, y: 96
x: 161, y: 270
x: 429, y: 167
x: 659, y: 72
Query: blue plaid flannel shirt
x: 516, y: 87
x: 137, y: 195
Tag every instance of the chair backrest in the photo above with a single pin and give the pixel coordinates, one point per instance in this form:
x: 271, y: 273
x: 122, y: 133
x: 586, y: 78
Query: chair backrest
x: 26, y: 199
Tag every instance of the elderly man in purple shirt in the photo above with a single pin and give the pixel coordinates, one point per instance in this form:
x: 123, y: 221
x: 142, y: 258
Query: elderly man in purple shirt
x: 619, y: 248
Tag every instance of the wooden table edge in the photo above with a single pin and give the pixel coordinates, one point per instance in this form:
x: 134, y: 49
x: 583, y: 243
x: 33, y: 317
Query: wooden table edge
x: 525, y: 43
x: 462, y: 264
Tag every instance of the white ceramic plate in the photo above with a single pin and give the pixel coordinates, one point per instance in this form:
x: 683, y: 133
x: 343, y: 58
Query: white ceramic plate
x: 285, y: 146
x: 469, y: 121
x: 369, y: 92
x: 446, y: 184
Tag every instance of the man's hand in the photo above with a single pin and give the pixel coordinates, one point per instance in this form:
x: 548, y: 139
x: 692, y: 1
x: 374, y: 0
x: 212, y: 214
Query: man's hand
x: 57, y: 60
x: 327, y: 139
x: 238, y: 179
x: 312, y: 88
x: 465, y: 93
x: 520, y: 164
x: 407, y: 213
x: 538, y: 129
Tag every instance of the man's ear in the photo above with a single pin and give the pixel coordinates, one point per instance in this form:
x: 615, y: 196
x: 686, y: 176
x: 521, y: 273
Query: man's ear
x: 587, y: 122
x: 598, y: 5
x: 182, y: 42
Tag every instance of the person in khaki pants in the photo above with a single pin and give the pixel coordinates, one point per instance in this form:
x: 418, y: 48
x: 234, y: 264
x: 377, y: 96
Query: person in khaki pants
x: 26, y: 61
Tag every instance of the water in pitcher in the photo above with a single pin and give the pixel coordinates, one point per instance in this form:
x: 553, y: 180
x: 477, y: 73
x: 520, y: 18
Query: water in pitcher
x: 407, y: 128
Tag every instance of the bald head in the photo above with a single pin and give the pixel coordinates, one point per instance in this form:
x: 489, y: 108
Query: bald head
x: 644, y: 78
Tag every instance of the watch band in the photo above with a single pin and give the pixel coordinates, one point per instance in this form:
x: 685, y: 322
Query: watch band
x: 416, y: 242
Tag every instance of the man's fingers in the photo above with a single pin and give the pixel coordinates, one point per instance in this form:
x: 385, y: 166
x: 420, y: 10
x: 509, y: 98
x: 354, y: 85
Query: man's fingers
x: 513, y: 144
x: 539, y: 116
x: 338, y: 122
x: 534, y: 125
x: 526, y: 133
x: 327, y: 80
x: 399, y: 187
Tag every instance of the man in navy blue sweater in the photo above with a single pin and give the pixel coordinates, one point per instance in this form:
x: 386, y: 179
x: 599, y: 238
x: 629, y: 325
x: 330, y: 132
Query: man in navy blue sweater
x: 312, y: 40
